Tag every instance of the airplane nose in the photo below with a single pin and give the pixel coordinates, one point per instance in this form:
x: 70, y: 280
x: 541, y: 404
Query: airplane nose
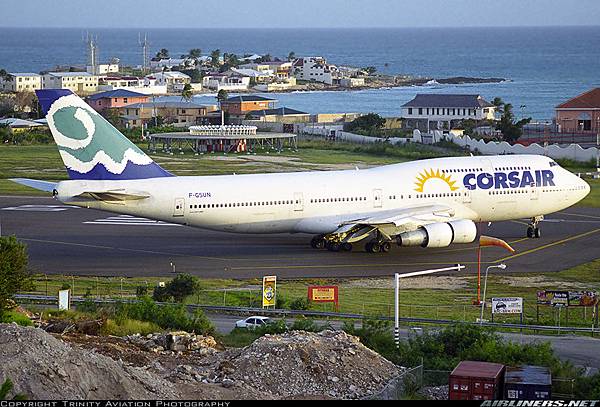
x: 586, y: 187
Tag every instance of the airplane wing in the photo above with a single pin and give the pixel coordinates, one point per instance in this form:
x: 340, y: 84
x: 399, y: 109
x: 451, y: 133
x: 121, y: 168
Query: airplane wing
x: 393, y: 222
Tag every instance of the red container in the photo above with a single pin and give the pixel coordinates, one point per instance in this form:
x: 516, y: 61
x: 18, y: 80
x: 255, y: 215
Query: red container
x: 476, y: 381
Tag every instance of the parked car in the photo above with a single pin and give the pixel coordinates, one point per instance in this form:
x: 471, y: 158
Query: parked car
x: 253, y: 322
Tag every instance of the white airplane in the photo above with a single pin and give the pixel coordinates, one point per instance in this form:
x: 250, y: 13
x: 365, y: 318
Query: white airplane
x: 428, y: 203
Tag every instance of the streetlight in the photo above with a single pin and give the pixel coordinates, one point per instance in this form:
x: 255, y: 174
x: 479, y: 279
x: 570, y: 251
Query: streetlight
x: 397, y: 278
x: 173, y: 265
x: 501, y: 266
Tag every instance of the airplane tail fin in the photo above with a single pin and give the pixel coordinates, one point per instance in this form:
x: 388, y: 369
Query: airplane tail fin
x: 90, y: 147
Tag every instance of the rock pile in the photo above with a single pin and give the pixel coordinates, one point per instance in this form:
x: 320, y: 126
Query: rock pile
x: 435, y: 392
x: 303, y: 364
x: 178, y: 341
x: 43, y: 367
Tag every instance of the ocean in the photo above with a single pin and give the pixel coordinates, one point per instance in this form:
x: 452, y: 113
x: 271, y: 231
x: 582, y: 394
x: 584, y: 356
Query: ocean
x: 543, y: 65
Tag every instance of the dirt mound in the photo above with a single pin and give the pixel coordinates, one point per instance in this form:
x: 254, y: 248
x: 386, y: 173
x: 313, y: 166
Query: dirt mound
x: 301, y: 364
x: 43, y: 367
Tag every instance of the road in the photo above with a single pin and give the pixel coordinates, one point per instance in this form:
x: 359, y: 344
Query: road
x: 580, y: 350
x: 74, y: 241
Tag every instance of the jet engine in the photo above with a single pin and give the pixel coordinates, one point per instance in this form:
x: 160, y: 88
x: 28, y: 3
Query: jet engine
x: 439, y: 234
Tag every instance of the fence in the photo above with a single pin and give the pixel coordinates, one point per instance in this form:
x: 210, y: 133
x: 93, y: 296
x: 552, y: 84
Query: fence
x: 351, y: 302
x: 408, y: 383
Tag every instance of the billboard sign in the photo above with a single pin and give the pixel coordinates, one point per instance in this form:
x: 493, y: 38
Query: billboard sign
x: 269, y: 291
x: 567, y: 298
x: 323, y: 293
x: 510, y: 305
x: 583, y: 298
x: 554, y: 298
x: 64, y: 300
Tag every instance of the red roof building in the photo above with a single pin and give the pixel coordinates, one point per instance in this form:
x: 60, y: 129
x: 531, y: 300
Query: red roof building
x: 580, y: 114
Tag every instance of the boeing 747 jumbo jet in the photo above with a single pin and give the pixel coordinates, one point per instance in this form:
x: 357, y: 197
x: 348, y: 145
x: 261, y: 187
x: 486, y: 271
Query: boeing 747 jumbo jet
x: 428, y: 203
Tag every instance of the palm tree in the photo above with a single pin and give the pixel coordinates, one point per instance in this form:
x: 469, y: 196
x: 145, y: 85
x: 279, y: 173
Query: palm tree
x: 215, y: 57
x: 186, y: 93
x: 291, y: 56
x: 163, y: 53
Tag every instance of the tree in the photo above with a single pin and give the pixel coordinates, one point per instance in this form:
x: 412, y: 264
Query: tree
x: 14, y: 276
x: 511, y: 129
x: 370, y: 70
x: 186, y: 93
x: 195, y: 53
x: 291, y: 56
x: 369, y: 123
x: 163, y: 53
x: 182, y: 286
x: 222, y: 96
x: 215, y: 58
x: 6, y: 388
x: 5, y: 75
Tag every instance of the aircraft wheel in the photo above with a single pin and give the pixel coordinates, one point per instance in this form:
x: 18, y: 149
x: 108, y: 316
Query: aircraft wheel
x: 333, y: 246
x: 385, y: 247
x: 536, y: 233
x: 317, y: 242
x: 347, y: 247
x: 530, y: 232
x: 373, y: 247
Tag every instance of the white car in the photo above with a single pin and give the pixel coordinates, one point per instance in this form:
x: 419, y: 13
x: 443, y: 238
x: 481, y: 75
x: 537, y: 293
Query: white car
x: 253, y: 322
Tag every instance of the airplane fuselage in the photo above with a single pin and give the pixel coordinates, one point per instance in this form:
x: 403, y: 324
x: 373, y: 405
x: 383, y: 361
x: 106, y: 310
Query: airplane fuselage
x: 482, y: 188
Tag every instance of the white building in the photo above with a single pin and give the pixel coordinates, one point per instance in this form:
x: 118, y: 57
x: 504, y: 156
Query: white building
x: 314, y: 69
x: 78, y: 82
x: 439, y: 111
x: 146, y: 86
x: 21, y: 82
x: 254, y: 75
x: 173, y: 80
x: 221, y: 81
x: 102, y: 69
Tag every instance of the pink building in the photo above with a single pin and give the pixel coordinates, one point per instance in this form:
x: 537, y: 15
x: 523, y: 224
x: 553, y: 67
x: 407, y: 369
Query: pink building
x: 580, y: 114
x: 115, y: 98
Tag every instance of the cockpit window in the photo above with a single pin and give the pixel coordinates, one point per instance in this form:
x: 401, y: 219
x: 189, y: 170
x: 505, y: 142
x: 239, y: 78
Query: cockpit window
x: 553, y: 164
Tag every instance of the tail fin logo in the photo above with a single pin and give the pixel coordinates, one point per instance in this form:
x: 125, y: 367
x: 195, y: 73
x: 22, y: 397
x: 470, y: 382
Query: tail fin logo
x: 85, y: 139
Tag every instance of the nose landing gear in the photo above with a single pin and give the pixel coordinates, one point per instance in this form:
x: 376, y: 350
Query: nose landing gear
x: 533, y: 230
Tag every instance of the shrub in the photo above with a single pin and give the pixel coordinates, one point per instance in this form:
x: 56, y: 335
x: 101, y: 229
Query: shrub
x: 299, y: 304
x: 127, y: 326
x: 306, y: 324
x: 161, y: 294
x: 179, y: 288
x: 14, y: 276
x: 165, y: 316
x: 8, y: 317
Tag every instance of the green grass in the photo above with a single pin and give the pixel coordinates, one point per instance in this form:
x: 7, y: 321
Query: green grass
x: 129, y: 327
x: 363, y: 296
x: 593, y: 199
x: 7, y: 317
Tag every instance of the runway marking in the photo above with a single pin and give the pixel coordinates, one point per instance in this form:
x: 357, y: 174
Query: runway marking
x: 379, y: 265
x: 581, y: 215
x: 39, y: 208
x: 535, y: 249
x: 128, y: 221
x: 93, y: 246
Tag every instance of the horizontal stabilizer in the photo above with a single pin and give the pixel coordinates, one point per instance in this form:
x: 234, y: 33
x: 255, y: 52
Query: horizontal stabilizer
x: 36, y: 184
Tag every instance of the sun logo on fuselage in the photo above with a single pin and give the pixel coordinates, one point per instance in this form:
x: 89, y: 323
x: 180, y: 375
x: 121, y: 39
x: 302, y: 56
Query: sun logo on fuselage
x: 430, y: 174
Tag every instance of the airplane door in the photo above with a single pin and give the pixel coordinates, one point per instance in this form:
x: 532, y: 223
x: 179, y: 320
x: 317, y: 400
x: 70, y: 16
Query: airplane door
x: 298, y: 201
x: 534, y: 192
x: 179, y: 207
x: 466, y: 196
x: 377, y: 201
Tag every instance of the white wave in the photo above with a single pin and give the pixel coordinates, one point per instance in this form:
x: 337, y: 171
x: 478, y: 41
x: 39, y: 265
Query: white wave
x: 431, y: 83
x: 101, y: 157
x: 83, y: 114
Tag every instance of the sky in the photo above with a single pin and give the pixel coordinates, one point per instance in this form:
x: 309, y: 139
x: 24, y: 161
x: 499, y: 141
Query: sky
x: 297, y: 13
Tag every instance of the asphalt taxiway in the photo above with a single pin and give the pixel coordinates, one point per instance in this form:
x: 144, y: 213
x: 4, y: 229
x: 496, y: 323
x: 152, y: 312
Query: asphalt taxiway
x: 76, y: 241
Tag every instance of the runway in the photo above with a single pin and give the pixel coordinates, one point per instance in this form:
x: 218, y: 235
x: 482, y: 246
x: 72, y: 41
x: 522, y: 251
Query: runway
x: 75, y: 241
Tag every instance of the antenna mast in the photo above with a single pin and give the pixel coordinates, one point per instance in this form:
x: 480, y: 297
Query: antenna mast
x: 145, y: 45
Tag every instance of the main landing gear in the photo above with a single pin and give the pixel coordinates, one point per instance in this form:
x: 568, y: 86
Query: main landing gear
x: 533, y: 230
x: 320, y: 242
x: 376, y: 245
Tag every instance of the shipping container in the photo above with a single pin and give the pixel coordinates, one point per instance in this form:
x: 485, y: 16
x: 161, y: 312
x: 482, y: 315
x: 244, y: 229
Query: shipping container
x: 476, y: 381
x: 527, y: 383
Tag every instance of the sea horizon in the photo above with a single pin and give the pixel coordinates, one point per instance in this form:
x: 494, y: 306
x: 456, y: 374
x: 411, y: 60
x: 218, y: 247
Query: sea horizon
x: 545, y: 65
